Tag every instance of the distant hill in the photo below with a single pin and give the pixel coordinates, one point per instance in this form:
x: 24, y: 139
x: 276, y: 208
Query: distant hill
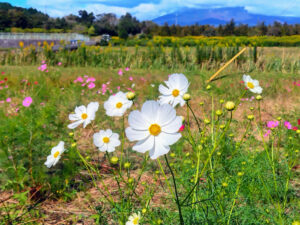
x: 217, y: 16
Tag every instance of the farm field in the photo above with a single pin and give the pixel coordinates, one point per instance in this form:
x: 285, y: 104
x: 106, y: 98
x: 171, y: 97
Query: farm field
x: 232, y: 165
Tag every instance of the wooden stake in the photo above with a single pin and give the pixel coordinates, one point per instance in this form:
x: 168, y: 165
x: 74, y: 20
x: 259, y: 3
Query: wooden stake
x: 226, y: 64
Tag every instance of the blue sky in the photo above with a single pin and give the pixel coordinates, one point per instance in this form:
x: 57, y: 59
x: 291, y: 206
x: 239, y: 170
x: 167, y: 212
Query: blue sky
x: 145, y: 9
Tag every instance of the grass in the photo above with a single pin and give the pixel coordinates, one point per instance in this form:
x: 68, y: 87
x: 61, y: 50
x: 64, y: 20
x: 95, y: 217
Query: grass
x: 243, y: 178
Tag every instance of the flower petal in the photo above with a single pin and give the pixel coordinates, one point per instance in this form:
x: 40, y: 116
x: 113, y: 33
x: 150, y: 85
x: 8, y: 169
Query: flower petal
x: 138, y: 121
x: 144, y: 145
x: 136, y: 135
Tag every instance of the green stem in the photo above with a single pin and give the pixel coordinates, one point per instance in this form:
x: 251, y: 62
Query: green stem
x: 234, y: 200
x: 176, y: 193
x: 168, y: 184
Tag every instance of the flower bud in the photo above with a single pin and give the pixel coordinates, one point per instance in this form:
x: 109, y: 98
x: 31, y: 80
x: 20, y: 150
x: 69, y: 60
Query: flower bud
x: 206, y: 121
x: 130, y: 180
x: 258, y: 97
x: 73, y: 145
x: 219, y: 112
x: 71, y: 134
x: 199, y: 147
x: 186, y: 97
x: 208, y: 87
x: 221, y: 101
x: 127, y: 165
x: 201, y: 103
x: 222, y: 126
x: 250, y: 117
x: 224, y: 184
x: 130, y: 95
x: 230, y: 105
x: 114, y: 160
x: 144, y: 210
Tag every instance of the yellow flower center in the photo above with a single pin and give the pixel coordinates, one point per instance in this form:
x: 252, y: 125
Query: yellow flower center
x: 250, y: 85
x: 119, y: 105
x: 56, y: 154
x: 175, y: 92
x: 84, y: 116
x: 105, y: 140
x: 154, y: 129
x: 135, y: 220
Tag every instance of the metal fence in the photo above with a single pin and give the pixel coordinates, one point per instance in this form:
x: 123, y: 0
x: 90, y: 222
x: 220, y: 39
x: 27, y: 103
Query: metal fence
x: 43, y: 36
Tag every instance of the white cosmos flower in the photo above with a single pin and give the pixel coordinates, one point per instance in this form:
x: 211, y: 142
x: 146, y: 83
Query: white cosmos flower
x: 106, y: 140
x: 55, y: 155
x: 134, y: 219
x: 117, y: 104
x: 83, y: 115
x: 252, y: 85
x: 177, y: 86
x: 155, y: 127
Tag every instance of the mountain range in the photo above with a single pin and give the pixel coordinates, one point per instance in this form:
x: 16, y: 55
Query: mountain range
x: 220, y: 16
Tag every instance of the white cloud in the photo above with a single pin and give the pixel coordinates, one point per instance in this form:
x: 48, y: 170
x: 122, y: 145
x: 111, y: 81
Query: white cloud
x: 148, y: 11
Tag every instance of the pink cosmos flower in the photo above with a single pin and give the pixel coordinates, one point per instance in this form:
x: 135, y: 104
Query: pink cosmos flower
x: 118, y: 88
x: 90, y: 79
x: 120, y: 72
x: 27, y: 101
x: 288, y: 125
x: 43, y: 62
x: 91, y: 85
x: 272, y: 124
x: 267, y: 133
x: 127, y: 69
x: 295, y: 128
x: 59, y: 63
x: 131, y: 78
x: 8, y: 100
x: 2, y: 81
x: 182, y: 127
x: 78, y: 79
x: 2, y: 101
x: 2, y: 73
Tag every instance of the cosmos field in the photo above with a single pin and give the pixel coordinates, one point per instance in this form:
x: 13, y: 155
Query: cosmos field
x: 131, y: 145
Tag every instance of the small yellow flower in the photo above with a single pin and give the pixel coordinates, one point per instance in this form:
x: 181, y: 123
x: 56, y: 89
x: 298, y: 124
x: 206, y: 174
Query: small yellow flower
x: 208, y: 87
x: 244, y: 163
x: 187, y: 154
x: 230, y: 105
x: 218, y: 153
x: 279, y: 118
x: 221, y: 101
x: 73, y: 145
x: 186, y: 97
x: 173, y: 155
x: 298, y: 131
x: 251, y: 108
x: 296, y: 223
x: 201, y: 103
x: 144, y: 210
x: 222, y: 126
x: 71, y: 134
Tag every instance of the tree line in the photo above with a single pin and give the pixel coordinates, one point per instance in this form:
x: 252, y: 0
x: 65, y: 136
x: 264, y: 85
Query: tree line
x: 126, y: 25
